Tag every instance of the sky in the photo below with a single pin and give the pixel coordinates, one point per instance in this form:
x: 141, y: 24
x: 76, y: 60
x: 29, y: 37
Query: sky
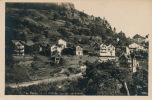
x: 129, y: 16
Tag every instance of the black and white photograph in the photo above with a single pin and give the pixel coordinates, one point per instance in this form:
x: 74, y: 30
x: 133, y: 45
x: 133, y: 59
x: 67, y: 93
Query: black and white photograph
x: 91, y: 48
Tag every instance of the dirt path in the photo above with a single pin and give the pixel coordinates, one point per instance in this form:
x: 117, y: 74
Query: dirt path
x: 53, y: 79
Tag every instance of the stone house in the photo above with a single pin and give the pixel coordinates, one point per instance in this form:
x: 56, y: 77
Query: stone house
x: 56, y: 59
x: 98, y: 39
x: 78, y: 50
x: 83, y: 69
x: 62, y: 43
x: 55, y: 50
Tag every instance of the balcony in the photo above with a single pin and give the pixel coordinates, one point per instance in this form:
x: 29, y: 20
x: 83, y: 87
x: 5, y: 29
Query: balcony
x: 22, y: 51
x: 20, y: 47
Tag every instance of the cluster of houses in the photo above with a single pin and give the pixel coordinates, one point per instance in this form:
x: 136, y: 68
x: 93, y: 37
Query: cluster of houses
x: 55, y: 50
x: 106, y: 52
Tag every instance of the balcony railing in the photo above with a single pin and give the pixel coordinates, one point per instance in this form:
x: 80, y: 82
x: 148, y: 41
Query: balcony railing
x: 20, y: 47
x: 21, y: 50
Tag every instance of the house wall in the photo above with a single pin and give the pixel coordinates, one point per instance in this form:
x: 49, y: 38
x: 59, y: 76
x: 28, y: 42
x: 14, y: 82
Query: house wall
x: 18, y: 49
x: 79, y: 50
x: 55, y: 48
x: 62, y: 43
x: 136, y: 47
x: 106, y: 58
x: 107, y: 50
x: 135, y: 64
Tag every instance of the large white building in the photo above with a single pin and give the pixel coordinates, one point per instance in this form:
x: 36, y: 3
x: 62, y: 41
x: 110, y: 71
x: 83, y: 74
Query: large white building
x: 107, y: 52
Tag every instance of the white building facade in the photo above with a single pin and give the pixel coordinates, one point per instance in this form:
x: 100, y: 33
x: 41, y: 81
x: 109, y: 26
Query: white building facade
x: 63, y: 43
x: 107, y: 52
x: 135, y: 47
x: 79, y: 50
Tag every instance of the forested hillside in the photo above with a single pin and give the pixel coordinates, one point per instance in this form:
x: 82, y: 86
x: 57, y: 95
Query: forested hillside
x: 49, y: 22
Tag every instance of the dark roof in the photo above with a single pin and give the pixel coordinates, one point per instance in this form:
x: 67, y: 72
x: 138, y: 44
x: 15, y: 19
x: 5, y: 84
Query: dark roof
x: 15, y: 41
x: 126, y: 56
x: 28, y: 42
x: 77, y: 45
x: 138, y: 36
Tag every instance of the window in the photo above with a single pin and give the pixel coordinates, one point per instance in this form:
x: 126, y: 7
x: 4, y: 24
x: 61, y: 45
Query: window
x: 79, y: 53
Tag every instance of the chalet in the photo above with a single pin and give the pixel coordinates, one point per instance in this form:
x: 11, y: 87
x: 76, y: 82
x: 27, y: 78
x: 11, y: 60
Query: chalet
x: 135, y: 47
x: 62, y: 43
x: 139, y: 39
x: 18, y: 48
x: 107, y: 52
x: 125, y: 60
x: 130, y: 61
x: 78, y: 50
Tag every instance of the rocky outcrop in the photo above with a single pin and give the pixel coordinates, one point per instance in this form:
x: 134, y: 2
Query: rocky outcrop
x: 68, y: 6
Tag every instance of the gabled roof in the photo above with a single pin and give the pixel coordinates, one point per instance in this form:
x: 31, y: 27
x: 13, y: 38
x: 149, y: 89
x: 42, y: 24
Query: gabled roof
x: 15, y: 41
x: 102, y: 44
x: 62, y: 40
x: 28, y: 42
x: 107, y: 45
x: 138, y: 36
x: 125, y: 55
x: 135, y: 43
x: 78, y: 45
x: 110, y: 45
